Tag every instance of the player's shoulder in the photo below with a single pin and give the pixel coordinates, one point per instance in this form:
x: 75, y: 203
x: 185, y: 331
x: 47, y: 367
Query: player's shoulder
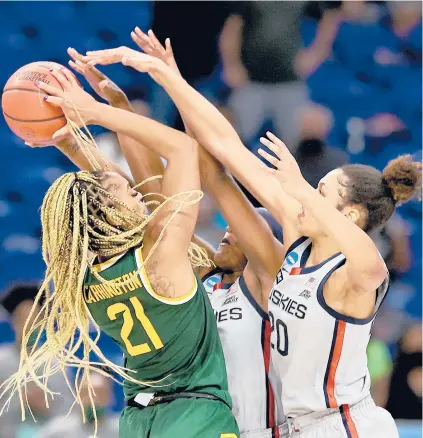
x: 337, y: 282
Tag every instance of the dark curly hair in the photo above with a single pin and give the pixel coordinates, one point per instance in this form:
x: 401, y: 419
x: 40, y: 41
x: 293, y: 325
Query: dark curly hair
x: 380, y: 192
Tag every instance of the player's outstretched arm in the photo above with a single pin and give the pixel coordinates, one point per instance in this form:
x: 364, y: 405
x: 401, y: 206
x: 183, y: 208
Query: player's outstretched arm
x: 210, y: 127
x: 174, y: 224
x: 262, y: 250
x: 143, y: 162
x: 365, y: 269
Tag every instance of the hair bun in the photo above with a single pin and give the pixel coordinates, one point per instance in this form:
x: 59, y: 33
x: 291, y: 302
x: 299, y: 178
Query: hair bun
x: 403, y: 177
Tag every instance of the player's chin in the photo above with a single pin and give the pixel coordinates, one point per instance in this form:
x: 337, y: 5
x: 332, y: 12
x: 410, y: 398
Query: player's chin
x: 140, y: 208
x: 222, y: 255
x: 302, y: 226
x: 222, y: 251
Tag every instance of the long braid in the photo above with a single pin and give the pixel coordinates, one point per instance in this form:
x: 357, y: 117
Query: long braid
x: 73, y: 216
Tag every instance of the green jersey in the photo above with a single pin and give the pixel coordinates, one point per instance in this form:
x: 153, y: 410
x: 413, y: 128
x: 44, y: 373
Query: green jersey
x: 171, y: 341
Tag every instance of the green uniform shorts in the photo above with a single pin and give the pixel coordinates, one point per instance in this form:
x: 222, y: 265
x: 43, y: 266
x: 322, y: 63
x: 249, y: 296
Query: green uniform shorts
x: 181, y: 418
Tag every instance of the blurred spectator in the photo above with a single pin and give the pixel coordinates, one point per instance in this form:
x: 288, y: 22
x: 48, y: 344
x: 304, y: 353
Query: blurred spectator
x: 397, y: 251
x: 18, y: 303
x: 356, y: 61
x: 379, y: 362
x: 258, y: 45
x: 405, y: 396
x: 72, y: 426
x: 314, y: 156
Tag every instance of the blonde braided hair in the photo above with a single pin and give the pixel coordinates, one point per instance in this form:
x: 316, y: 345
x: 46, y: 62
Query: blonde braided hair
x: 74, y: 220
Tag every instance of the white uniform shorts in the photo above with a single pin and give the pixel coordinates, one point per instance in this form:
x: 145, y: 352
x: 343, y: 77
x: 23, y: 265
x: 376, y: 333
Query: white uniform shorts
x: 362, y: 420
x: 276, y: 432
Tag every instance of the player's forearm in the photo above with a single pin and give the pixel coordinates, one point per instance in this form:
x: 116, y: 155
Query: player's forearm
x: 254, y: 236
x: 166, y: 142
x: 73, y: 151
x: 358, y: 248
x: 217, y: 135
x: 208, y: 125
x: 143, y: 162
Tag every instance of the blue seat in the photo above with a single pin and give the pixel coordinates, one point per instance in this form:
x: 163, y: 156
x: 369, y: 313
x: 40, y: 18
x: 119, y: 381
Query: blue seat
x: 18, y: 267
x: 115, y: 15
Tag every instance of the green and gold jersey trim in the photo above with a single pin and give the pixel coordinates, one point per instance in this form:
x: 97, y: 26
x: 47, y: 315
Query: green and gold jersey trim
x: 107, y: 264
x: 146, y: 282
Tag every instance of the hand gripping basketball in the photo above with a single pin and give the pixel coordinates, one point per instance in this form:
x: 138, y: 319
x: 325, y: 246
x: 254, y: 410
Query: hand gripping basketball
x: 77, y: 104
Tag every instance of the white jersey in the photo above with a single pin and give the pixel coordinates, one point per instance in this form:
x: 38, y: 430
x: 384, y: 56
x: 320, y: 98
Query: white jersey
x: 244, y: 331
x: 318, y: 354
x: 212, y: 280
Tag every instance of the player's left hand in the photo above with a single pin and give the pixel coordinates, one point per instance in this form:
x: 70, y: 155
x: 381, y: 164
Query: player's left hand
x: 76, y: 103
x: 100, y: 83
x: 110, y: 56
x: 152, y: 46
x: 287, y: 171
x: 155, y: 67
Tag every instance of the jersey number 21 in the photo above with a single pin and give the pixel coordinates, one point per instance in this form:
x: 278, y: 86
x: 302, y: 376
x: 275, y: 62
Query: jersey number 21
x: 128, y: 324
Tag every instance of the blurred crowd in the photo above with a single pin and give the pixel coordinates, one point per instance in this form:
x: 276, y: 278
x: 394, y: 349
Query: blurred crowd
x: 337, y: 81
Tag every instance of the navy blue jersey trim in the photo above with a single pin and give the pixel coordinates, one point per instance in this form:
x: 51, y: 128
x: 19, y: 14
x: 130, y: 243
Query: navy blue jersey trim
x: 225, y: 285
x: 209, y: 274
x: 332, y: 312
x: 263, y: 342
x: 305, y: 255
x: 325, y: 380
x: 387, y: 286
x: 309, y: 269
x: 344, y: 421
x: 296, y: 244
x: 250, y: 298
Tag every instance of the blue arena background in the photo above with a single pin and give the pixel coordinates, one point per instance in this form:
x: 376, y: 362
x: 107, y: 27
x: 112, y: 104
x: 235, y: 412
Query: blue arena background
x: 31, y: 31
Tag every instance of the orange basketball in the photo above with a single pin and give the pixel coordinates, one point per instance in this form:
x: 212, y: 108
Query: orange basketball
x: 25, y: 111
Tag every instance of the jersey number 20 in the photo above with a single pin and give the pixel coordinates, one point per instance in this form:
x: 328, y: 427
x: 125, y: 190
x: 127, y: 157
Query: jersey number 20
x: 281, y: 335
x: 128, y: 324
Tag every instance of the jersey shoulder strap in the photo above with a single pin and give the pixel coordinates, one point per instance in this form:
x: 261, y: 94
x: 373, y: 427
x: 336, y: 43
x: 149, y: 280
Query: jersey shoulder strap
x: 297, y: 254
x: 147, y: 285
x: 323, y: 273
x: 214, y: 272
x: 102, y: 266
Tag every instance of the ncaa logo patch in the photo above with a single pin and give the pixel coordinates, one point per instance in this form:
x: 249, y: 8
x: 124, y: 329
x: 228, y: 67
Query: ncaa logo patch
x: 291, y: 258
x: 214, y: 279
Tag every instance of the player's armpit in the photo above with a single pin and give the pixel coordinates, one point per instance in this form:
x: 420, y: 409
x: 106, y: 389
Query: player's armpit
x: 169, y: 280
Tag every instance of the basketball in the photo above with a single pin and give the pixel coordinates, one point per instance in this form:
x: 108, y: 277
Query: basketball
x: 25, y: 111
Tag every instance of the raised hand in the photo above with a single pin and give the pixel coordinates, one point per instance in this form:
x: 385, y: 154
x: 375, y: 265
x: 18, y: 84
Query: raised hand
x: 100, y: 83
x: 287, y: 171
x: 110, y: 56
x: 153, y: 47
x: 76, y: 103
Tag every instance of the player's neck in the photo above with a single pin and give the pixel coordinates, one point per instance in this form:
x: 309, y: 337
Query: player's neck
x: 322, y: 248
x: 231, y: 277
x: 102, y: 259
